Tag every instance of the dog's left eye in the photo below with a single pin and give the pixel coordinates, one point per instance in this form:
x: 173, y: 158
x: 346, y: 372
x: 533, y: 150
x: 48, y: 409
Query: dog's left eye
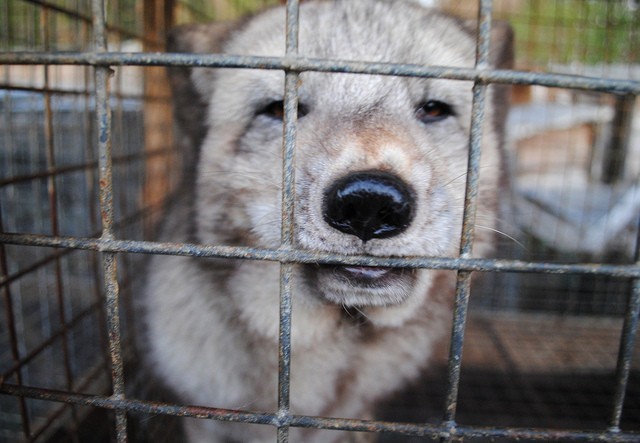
x: 434, y: 111
x: 275, y: 110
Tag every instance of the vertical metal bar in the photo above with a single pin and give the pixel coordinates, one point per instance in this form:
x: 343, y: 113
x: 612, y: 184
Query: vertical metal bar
x: 627, y: 345
x: 7, y: 295
x: 109, y: 263
x: 13, y: 336
x: 617, y: 147
x: 90, y: 177
x: 52, y: 190
x: 288, y: 225
x: 463, y: 285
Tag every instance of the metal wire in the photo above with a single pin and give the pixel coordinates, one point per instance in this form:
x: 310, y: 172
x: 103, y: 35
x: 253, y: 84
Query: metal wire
x: 300, y: 64
x: 228, y: 415
x: 627, y: 345
x: 463, y: 284
x: 288, y: 224
x: 109, y: 246
x: 310, y: 257
x: 109, y: 259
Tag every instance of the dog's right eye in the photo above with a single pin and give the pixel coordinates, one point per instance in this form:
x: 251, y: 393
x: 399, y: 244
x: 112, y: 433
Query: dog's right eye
x: 434, y: 111
x: 275, y: 110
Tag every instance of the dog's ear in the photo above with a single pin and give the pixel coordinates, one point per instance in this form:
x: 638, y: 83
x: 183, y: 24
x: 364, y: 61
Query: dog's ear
x: 191, y: 87
x: 501, y: 55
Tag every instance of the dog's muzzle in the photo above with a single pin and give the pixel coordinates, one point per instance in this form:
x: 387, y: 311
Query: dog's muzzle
x: 369, y: 204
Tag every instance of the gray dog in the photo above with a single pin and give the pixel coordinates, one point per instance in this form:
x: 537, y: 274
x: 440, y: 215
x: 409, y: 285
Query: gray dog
x: 380, y: 170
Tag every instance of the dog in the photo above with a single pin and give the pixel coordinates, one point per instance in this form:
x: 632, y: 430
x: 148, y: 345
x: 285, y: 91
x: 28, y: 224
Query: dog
x: 380, y: 170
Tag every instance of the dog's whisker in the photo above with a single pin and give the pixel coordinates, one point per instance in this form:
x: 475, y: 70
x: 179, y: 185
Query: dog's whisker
x: 503, y: 234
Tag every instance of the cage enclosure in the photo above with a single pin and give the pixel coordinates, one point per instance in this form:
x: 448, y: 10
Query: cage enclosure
x: 90, y: 157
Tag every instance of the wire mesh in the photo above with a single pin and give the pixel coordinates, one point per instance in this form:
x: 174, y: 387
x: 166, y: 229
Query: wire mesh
x: 58, y: 366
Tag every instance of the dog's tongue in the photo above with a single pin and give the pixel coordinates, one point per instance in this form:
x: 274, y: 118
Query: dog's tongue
x: 366, y: 271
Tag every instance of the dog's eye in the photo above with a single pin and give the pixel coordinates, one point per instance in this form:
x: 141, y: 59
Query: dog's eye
x: 434, y: 111
x: 275, y: 110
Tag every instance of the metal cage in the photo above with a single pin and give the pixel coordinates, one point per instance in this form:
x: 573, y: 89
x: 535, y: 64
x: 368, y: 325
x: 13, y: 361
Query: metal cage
x: 72, y: 234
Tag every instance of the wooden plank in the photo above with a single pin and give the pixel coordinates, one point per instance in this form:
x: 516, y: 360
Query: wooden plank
x: 162, y: 173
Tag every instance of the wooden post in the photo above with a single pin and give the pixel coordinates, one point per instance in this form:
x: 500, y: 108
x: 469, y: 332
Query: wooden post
x: 615, y: 154
x: 161, y: 172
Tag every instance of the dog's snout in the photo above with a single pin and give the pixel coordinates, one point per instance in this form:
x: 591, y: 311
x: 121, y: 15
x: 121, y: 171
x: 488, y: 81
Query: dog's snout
x: 371, y: 204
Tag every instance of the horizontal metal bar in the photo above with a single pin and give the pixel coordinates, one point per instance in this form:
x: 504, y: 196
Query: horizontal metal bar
x: 115, y: 95
x: 53, y: 417
x: 625, y: 353
x: 84, y: 18
x: 229, y: 415
x: 121, y: 224
x: 310, y: 257
x: 66, y: 327
x: 60, y: 170
x: 618, y: 86
x: 6, y: 278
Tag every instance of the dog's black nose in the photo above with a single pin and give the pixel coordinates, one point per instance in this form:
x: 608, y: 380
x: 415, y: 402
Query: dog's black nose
x: 369, y: 204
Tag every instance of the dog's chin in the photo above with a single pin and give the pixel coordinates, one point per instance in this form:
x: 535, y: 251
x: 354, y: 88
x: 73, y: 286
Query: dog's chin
x: 361, y: 286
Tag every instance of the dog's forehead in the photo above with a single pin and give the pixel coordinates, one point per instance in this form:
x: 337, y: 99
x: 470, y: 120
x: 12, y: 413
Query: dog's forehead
x: 370, y: 30
x: 382, y: 31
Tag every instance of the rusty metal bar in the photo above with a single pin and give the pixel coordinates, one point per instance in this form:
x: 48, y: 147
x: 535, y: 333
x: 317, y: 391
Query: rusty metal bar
x: 355, y: 425
x: 7, y: 279
x: 310, y: 257
x: 92, y: 180
x: 67, y: 326
x: 60, y: 170
x: 287, y: 255
x: 47, y: 5
x: 613, y: 86
x: 109, y: 259
x: 627, y: 345
x: 13, y: 333
x: 52, y: 191
x: 463, y: 284
x: 57, y: 413
x: 83, y: 92
x: 617, y: 146
x: 288, y: 224
x: 625, y: 354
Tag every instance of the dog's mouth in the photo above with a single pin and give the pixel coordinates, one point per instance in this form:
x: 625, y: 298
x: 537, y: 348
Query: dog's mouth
x: 349, y: 285
x: 363, y: 276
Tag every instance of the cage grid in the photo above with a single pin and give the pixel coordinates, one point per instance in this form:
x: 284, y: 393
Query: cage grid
x: 107, y: 240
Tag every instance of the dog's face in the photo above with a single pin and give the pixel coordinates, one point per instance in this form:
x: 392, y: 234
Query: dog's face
x: 380, y: 160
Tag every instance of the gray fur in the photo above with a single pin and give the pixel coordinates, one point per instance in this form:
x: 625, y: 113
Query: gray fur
x: 212, y: 325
